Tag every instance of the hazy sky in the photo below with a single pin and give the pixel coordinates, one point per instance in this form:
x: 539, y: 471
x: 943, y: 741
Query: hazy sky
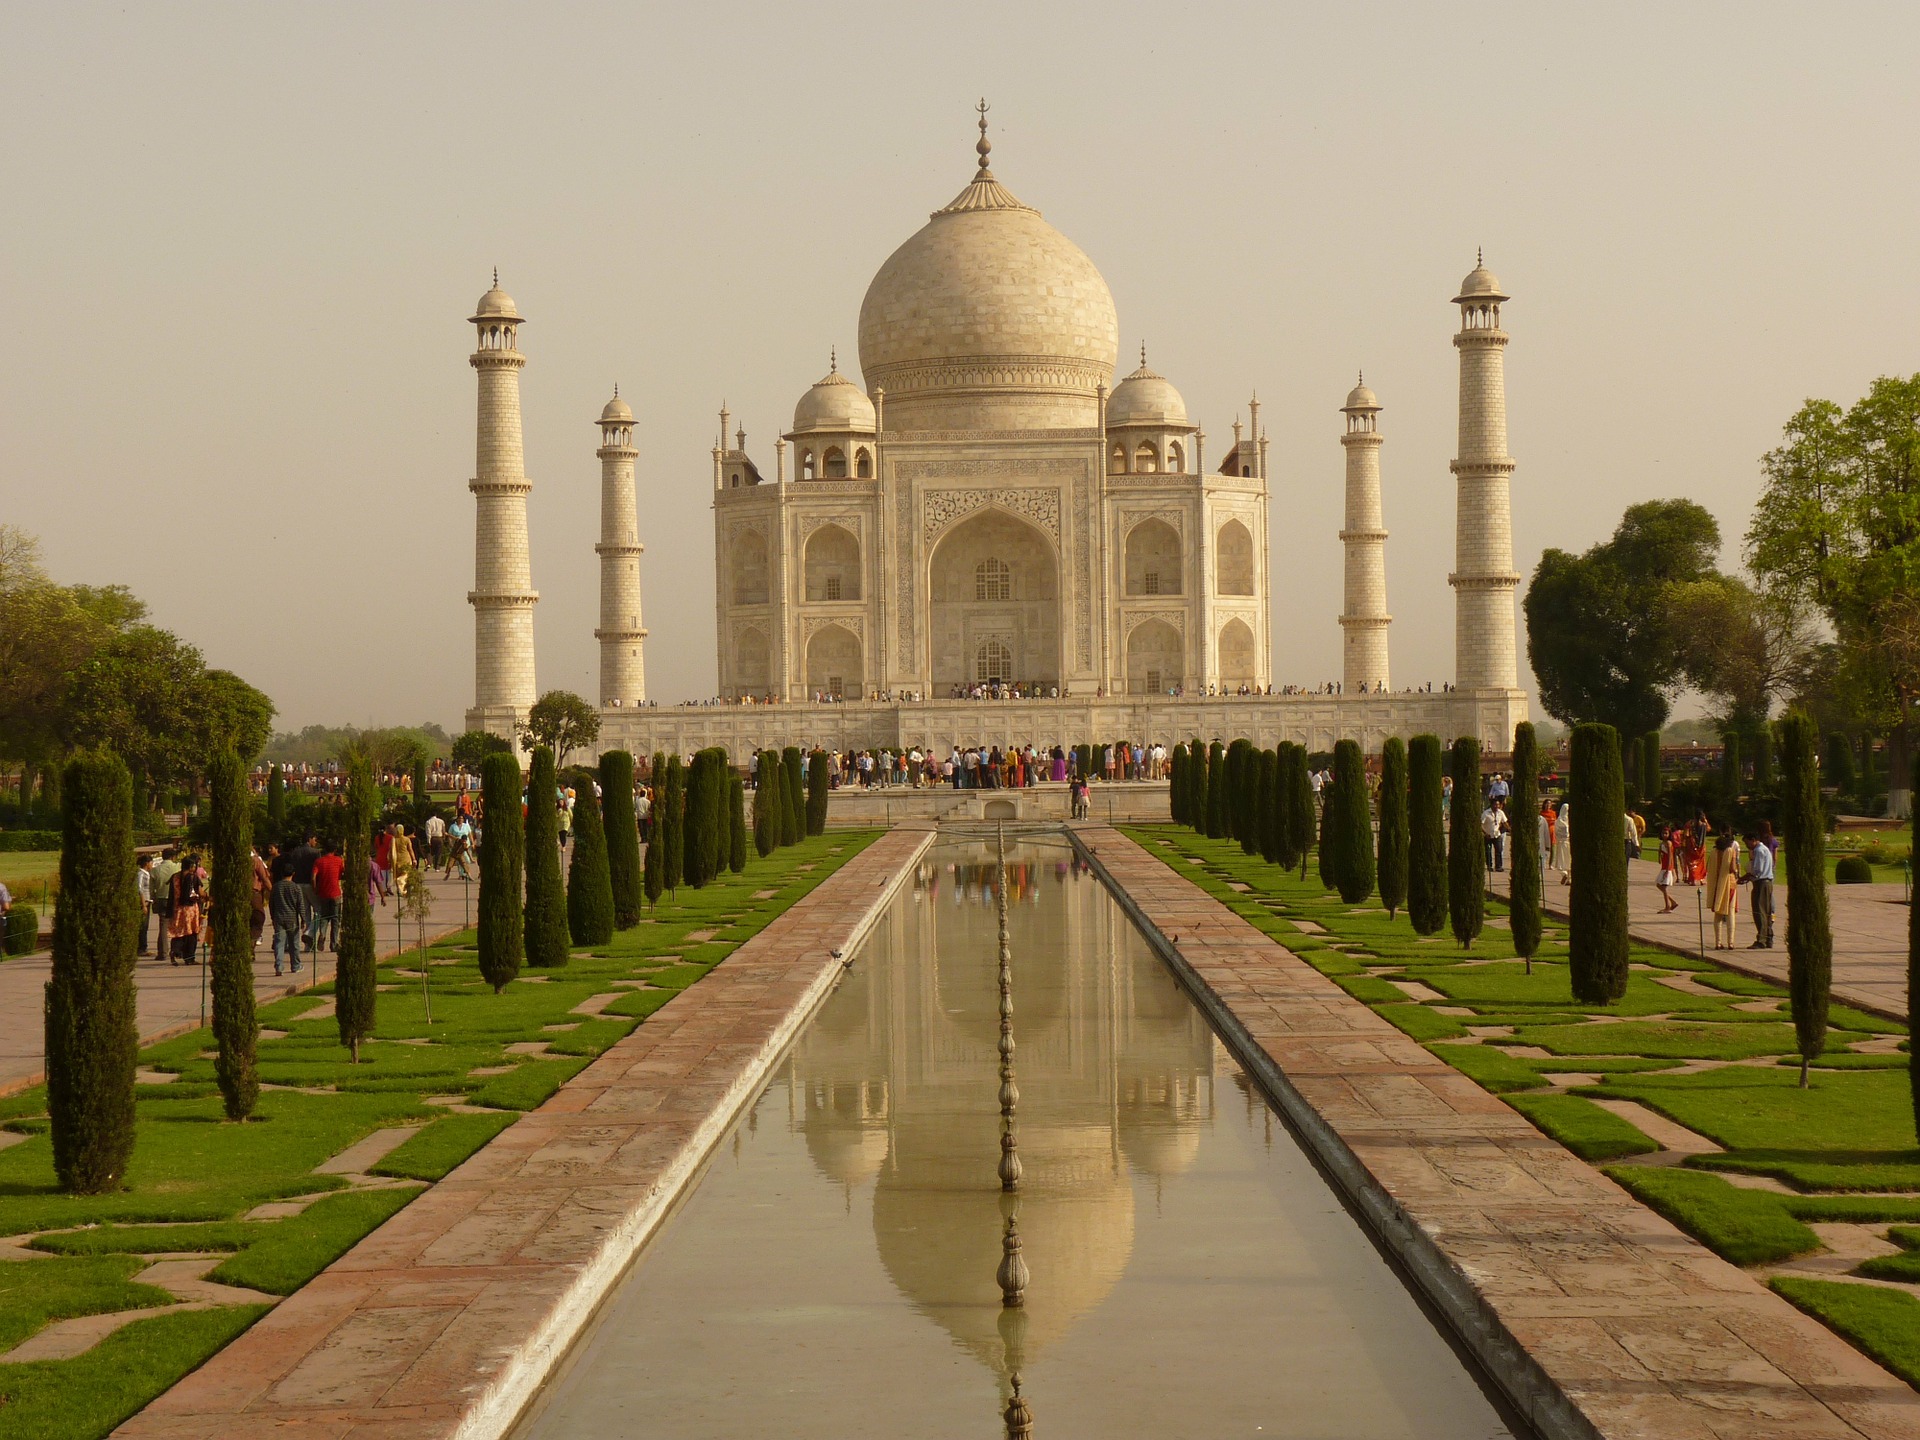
x: 241, y: 242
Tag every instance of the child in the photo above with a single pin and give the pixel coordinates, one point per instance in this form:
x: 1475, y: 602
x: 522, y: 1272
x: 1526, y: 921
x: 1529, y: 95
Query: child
x: 1665, y: 882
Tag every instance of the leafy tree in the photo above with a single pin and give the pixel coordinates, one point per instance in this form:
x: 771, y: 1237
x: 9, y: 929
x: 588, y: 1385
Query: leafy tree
x: 1426, y: 837
x: 793, y: 824
x: 1217, y: 798
x: 1733, y: 773
x: 1393, y: 853
x: 768, y: 807
x: 561, y: 721
x: 1523, y: 865
x: 1267, y: 805
x: 1466, y: 856
x: 1240, y: 796
x: 589, y: 876
x: 737, y: 822
x: 819, y: 791
x: 234, y: 1031
x: 1762, y: 758
x: 1286, y: 838
x: 1604, y: 640
x: 471, y: 748
x: 1650, y: 782
x: 1597, y: 943
x: 276, y: 795
x: 1743, y: 647
x: 1809, y: 932
x: 670, y: 825
x: 546, y: 909
x: 90, y: 1037
x: 1839, y: 769
x: 1351, y: 821
x: 355, y: 982
x: 229, y: 711
x: 1306, y: 818
x: 623, y: 837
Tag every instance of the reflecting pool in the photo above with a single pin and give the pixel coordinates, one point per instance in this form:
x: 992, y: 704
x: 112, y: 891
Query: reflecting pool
x: 838, y: 1271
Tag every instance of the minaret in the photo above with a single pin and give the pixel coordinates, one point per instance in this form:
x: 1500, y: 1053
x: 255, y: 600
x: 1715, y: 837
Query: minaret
x: 623, y: 668
x: 1365, y: 537
x: 503, y: 596
x: 1483, y: 577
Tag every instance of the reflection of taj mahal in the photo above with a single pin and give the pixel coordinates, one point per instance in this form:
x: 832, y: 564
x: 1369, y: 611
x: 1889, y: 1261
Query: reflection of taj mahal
x: 994, y: 504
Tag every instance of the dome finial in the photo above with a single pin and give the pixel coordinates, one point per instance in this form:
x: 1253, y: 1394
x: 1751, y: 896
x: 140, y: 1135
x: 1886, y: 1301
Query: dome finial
x: 1479, y: 255
x: 833, y: 360
x: 616, y: 389
x: 1143, y: 354
x: 496, y: 277
x: 983, y: 145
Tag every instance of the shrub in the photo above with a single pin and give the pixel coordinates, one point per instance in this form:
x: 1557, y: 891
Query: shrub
x: 1217, y: 798
x: 1267, y: 805
x: 1853, y: 870
x: 737, y: 822
x: 1285, y: 839
x: 1392, y: 856
x: 623, y: 837
x: 793, y: 822
x: 1466, y: 856
x: 767, y: 805
x: 706, y: 784
x: 1352, y: 823
x: 589, y: 877
x: 1523, y: 865
x: 502, y: 934
x: 669, y: 824
x: 1597, y: 907
x: 355, y: 987
x: 1240, y: 797
x: 1809, y: 935
x: 547, y: 942
x: 819, y: 792
x: 234, y: 1031
x: 91, y: 1041
x: 23, y: 930
x: 1426, y: 837
x: 1306, y: 818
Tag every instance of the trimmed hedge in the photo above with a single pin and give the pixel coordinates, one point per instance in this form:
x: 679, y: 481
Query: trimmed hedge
x: 589, y: 879
x: 1597, y: 942
x: 15, y: 841
x: 1426, y: 838
x: 1809, y: 932
x: 1466, y: 856
x: 23, y: 930
x: 1391, y: 863
x: 1523, y: 861
x: 1852, y: 870
x: 355, y: 980
x: 1350, y: 824
x: 623, y: 837
x: 548, y: 944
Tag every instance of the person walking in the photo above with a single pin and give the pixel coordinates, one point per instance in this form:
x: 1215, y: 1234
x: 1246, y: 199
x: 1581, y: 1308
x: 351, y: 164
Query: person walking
x: 183, y: 920
x: 288, y: 904
x: 144, y: 880
x: 380, y: 866
x: 436, y: 830
x: 160, y: 883
x: 328, y: 872
x: 1723, y: 880
x: 1492, y: 825
x: 459, y: 845
x: 1563, y: 842
x: 1761, y: 869
x: 1664, y: 880
x: 401, y: 859
x: 259, y: 894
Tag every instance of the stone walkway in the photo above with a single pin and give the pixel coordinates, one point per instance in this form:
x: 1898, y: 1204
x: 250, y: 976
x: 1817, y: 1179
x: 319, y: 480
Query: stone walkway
x: 447, y: 1319
x: 1590, y: 1309
x: 1869, y: 934
x: 171, y: 997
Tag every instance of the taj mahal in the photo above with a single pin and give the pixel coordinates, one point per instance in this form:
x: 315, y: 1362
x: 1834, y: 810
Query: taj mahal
x: 994, y: 509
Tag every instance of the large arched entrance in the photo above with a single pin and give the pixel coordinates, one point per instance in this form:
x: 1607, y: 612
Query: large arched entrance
x: 752, y: 672
x: 994, y: 604
x: 833, y: 664
x: 1236, y: 655
x: 1156, y: 659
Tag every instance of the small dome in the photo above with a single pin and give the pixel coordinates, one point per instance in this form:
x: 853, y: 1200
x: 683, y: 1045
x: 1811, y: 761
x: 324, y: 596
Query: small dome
x: 834, y: 403
x: 1361, y: 398
x: 1481, y: 284
x: 617, y: 409
x: 496, y: 304
x: 1145, y: 398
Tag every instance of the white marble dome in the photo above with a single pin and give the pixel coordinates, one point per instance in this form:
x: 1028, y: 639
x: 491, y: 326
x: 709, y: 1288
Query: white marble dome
x: 1481, y: 284
x: 496, y: 304
x: 1146, y: 398
x: 834, y: 403
x: 1361, y: 398
x: 617, y: 411
x: 988, y: 318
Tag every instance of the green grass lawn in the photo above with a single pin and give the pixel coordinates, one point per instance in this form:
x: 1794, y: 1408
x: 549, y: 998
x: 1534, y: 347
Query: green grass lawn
x: 30, y: 874
x: 195, y: 1177
x: 1843, y: 1143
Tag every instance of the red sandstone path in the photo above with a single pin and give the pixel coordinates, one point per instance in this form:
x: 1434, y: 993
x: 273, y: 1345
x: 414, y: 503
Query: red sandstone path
x: 170, y: 996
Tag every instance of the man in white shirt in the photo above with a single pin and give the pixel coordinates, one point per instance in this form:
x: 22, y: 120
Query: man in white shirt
x: 143, y: 877
x: 1493, y: 825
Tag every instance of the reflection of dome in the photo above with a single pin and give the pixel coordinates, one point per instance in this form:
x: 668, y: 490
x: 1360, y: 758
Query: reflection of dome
x: 1144, y: 398
x: 938, y: 1223
x: 834, y: 403
x: 850, y: 1153
x: 988, y: 318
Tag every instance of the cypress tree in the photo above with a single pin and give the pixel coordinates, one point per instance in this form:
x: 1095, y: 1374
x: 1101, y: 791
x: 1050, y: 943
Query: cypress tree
x: 697, y: 861
x: 354, y: 985
x: 589, y: 877
x: 91, y: 1038
x: 1597, y: 943
x: 502, y: 934
x: 766, y: 805
x: 1466, y: 856
x: 1426, y: 837
x: 1217, y: 798
x: 1176, y: 777
x: 623, y: 837
x: 1285, y: 839
x: 276, y: 795
x: 653, y: 873
x: 1763, y: 758
x: 819, y: 791
x: 1329, y: 853
x: 793, y: 823
x: 1523, y: 865
x: 1306, y: 818
x: 421, y: 804
x: 1913, y: 999
x: 1392, y: 867
x: 235, y: 1033
x: 736, y: 823
x: 1732, y: 776
x: 1269, y: 806
x: 670, y: 828
x: 1240, y: 803
x: 546, y: 934
x: 1650, y: 784
x: 1352, y: 823
x: 1809, y: 934
x: 1840, y: 773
